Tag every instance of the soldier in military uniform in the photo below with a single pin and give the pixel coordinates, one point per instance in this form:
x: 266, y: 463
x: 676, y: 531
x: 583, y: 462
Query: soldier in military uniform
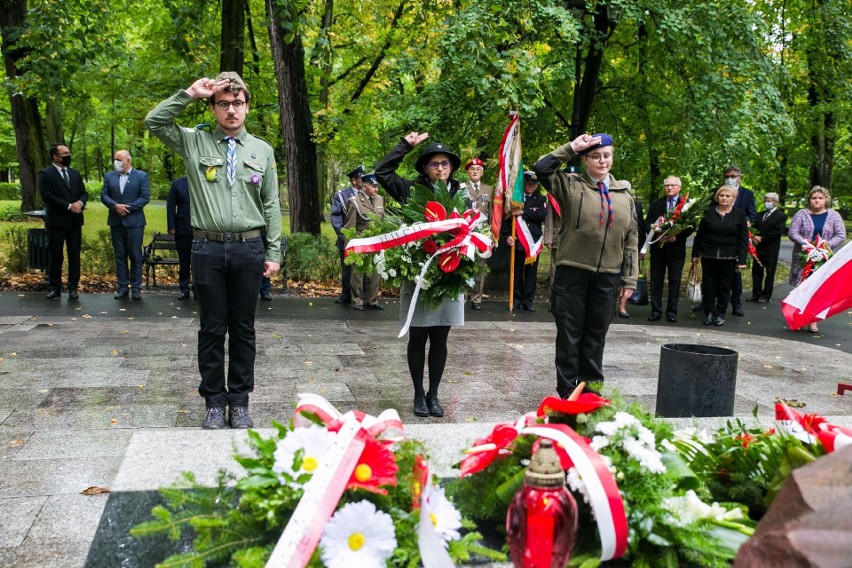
x: 339, y: 203
x: 359, y: 212
x: 479, y: 197
x: 236, y: 226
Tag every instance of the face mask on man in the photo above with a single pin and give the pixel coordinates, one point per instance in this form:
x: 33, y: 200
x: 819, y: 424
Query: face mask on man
x: 768, y: 205
x: 118, y: 165
x: 730, y: 181
x: 66, y: 160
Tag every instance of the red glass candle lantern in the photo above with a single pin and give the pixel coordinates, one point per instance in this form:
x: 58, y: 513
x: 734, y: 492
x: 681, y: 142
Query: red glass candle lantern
x: 541, y: 523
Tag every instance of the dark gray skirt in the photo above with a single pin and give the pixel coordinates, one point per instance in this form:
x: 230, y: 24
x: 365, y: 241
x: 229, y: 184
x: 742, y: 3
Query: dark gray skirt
x: 448, y: 312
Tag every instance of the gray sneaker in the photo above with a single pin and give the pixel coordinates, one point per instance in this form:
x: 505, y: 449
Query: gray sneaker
x: 215, y: 419
x: 240, y: 417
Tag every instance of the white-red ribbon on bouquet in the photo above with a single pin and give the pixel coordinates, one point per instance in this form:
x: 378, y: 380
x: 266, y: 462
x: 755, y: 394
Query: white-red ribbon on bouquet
x: 320, y: 498
x: 404, y: 235
x: 812, y: 428
x: 315, y: 404
x: 604, y: 495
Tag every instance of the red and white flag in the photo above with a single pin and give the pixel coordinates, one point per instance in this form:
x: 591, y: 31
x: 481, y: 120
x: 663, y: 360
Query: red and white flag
x: 509, y: 169
x: 826, y: 292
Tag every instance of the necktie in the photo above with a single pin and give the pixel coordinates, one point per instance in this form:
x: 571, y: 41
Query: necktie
x: 606, y: 203
x: 231, y: 167
x: 65, y: 177
x: 671, y: 204
x: 476, y: 187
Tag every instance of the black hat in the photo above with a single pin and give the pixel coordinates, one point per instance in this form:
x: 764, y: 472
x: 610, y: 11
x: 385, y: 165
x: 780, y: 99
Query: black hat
x: 356, y: 173
x: 370, y: 178
x: 431, y: 150
x: 530, y: 176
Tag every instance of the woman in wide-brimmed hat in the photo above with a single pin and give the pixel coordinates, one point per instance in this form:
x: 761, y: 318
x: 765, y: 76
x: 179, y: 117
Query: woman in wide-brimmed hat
x: 430, y: 324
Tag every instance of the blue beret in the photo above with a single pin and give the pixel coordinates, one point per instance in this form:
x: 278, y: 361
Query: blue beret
x: 606, y: 140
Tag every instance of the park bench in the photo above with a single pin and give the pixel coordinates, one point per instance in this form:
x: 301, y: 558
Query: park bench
x: 161, y: 243
x: 161, y: 250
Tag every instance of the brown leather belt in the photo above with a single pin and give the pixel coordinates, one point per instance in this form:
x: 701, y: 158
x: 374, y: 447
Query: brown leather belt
x: 225, y: 237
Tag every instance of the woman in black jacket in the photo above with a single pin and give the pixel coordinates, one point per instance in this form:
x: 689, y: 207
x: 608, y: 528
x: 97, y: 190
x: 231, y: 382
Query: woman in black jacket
x: 430, y: 324
x: 722, y: 244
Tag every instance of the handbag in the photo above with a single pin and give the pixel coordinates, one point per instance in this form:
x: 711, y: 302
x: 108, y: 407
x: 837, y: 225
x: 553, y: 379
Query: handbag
x: 693, y: 285
x: 640, y: 293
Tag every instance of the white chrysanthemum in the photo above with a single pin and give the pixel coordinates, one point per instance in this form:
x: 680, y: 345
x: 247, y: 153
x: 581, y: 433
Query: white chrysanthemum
x: 358, y: 535
x: 314, y: 440
x: 392, y: 272
x: 623, y: 419
x: 470, y: 282
x: 576, y: 483
x: 444, y: 516
x: 599, y: 442
x: 608, y: 429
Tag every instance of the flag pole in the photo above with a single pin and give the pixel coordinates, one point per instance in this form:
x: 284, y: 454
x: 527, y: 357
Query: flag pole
x: 512, y: 262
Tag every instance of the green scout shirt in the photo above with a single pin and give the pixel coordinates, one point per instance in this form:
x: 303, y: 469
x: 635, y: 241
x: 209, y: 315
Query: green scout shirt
x: 216, y: 205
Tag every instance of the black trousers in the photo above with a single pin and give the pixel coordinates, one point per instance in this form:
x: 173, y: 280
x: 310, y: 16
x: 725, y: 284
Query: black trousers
x: 345, y: 271
x: 763, y: 277
x: 526, y: 277
x: 661, y: 262
x: 227, y: 277
x: 71, y: 239
x: 736, y: 290
x: 581, y: 302
x: 717, y: 274
x: 183, y: 244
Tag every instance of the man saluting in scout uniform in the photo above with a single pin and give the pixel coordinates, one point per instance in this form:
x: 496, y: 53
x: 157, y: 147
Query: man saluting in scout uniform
x: 360, y: 210
x: 236, y: 227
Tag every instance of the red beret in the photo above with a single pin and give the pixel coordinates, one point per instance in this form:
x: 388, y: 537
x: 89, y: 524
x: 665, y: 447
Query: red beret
x: 474, y: 162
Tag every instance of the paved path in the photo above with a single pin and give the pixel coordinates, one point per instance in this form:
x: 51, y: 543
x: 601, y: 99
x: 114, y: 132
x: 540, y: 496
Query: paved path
x: 103, y: 393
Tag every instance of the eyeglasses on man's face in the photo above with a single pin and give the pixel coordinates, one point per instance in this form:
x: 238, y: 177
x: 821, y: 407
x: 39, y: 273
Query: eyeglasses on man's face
x: 237, y: 104
x: 435, y: 165
x: 600, y: 157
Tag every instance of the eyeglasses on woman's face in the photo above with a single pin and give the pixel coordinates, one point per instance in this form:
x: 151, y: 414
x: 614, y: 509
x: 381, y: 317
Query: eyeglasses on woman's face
x: 599, y: 157
x: 435, y: 165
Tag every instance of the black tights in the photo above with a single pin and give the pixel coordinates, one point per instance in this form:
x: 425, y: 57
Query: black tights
x: 437, y: 337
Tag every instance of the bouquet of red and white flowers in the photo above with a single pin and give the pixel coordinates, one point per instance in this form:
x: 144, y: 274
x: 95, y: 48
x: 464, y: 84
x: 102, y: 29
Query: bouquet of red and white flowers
x: 814, y: 255
x: 684, y: 216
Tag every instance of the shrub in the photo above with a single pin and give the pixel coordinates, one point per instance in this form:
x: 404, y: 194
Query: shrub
x: 10, y: 190
x: 97, y: 256
x: 12, y: 213
x: 13, y: 255
x: 311, y: 257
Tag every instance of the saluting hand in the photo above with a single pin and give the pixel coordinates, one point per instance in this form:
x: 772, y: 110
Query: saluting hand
x: 204, y: 88
x: 415, y: 138
x: 584, y: 141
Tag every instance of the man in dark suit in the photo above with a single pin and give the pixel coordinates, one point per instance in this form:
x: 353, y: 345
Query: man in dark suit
x: 769, y: 226
x: 64, y: 197
x: 667, y: 254
x: 744, y: 201
x: 125, y: 193
x: 178, y: 222
x: 339, y: 203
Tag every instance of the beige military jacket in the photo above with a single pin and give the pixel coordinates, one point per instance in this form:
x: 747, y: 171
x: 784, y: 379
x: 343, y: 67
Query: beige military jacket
x: 359, y: 210
x: 479, y: 198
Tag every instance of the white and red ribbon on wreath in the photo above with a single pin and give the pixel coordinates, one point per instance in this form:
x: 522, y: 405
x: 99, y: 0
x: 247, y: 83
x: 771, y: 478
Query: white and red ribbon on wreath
x: 322, y: 493
x: 466, y: 241
x: 812, y: 428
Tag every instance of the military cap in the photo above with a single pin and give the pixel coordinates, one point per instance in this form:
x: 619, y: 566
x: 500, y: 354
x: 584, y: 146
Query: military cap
x: 356, y: 173
x: 370, y: 178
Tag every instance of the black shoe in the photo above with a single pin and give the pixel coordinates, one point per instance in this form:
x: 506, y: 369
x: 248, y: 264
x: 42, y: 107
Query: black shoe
x: 136, y: 295
x: 343, y: 301
x: 360, y: 308
x: 753, y: 299
x: 215, y: 418
x: 181, y: 295
x: 515, y: 308
x: 476, y: 307
x: 121, y: 295
x: 710, y: 320
x: 434, y: 406
x: 671, y: 318
x: 655, y: 316
x: 376, y: 307
x: 738, y: 312
x: 73, y: 295
x: 529, y: 308
x: 719, y: 322
x: 239, y: 417
x: 266, y: 296
x: 421, y: 409
x: 763, y: 300
x: 697, y: 308
x: 54, y: 294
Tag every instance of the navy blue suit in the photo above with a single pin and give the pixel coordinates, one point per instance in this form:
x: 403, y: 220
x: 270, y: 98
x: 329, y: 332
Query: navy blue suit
x: 127, y: 231
x: 744, y: 201
x: 178, y: 219
x: 63, y: 226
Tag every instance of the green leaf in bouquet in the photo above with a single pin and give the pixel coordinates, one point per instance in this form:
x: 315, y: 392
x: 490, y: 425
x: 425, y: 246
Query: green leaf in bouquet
x: 676, y: 466
x: 506, y: 491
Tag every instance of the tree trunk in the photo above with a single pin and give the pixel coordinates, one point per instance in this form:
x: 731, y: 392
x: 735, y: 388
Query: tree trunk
x: 26, y: 120
x: 584, y: 98
x: 783, y: 159
x: 296, y: 125
x: 822, y: 144
x: 233, y: 36
x: 654, y: 181
x: 324, y: 55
